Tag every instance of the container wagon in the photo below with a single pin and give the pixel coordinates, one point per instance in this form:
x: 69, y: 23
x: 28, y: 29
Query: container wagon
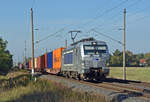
x: 43, y: 63
x: 39, y: 64
x: 49, y: 62
x: 54, y: 61
x: 30, y: 64
x: 85, y: 59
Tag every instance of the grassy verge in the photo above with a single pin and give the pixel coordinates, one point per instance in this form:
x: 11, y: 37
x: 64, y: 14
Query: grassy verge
x: 21, y: 89
x: 133, y: 73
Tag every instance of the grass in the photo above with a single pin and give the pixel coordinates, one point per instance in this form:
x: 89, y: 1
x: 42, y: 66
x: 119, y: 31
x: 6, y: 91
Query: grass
x: 21, y: 89
x: 133, y: 73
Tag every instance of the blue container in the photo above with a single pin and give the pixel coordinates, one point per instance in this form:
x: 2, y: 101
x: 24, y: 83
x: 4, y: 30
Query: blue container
x: 27, y: 64
x: 50, y: 60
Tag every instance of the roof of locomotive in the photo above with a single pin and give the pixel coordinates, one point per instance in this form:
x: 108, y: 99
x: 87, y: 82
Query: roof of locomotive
x: 85, y: 42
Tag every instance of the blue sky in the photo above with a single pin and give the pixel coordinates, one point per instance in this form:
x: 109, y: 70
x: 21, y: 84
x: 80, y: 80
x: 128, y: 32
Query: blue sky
x: 53, y: 15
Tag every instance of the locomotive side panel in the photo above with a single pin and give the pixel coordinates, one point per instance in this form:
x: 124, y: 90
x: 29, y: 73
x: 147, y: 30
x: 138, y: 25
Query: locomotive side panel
x: 71, y: 62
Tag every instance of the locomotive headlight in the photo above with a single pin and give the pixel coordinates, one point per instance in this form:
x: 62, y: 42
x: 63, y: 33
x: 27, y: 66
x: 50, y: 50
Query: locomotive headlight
x: 94, y: 43
x: 82, y: 63
x: 107, y: 62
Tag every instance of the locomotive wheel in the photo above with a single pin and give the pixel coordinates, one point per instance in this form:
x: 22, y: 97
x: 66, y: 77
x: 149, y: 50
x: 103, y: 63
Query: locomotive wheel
x: 67, y: 75
x: 101, y: 79
x: 81, y: 77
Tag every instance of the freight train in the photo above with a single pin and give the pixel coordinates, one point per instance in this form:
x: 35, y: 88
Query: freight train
x: 84, y: 60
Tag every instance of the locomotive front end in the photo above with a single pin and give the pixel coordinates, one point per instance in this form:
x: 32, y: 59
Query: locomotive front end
x: 94, y: 59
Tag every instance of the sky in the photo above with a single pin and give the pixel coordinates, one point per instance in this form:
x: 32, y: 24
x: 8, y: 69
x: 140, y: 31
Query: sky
x: 55, y: 18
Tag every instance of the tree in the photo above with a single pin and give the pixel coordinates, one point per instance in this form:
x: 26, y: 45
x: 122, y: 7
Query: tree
x: 6, y: 61
x: 116, y: 58
x: 147, y: 57
x: 132, y: 60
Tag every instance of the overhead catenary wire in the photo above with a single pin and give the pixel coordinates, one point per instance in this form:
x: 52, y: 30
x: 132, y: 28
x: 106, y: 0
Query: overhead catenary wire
x: 103, y: 24
x: 38, y: 41
x: 139, y: 10
x: 105, y: 12
x: 107, y: 36
x: 131, y: 5
x: 134, y: 14
x: 114, y: 16
x: 52, y: 35
x: 138, y: 19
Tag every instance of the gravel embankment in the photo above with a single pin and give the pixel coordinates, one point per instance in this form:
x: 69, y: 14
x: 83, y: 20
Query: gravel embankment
x: 110, y: 94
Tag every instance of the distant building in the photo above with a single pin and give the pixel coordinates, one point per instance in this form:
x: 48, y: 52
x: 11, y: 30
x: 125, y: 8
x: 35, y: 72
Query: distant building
x: 143, y: 62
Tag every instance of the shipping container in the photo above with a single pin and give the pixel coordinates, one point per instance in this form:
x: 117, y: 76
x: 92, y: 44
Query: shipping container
x: 50, y: 60
x: 39, y: 63
x: 57, y: 58
x: 42, y: 63
x: 45, y: 60
x: 30, y: 64
x: 27, y: 65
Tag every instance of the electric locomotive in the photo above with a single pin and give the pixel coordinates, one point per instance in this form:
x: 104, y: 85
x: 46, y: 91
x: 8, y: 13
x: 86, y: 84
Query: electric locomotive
x: 85, y: 59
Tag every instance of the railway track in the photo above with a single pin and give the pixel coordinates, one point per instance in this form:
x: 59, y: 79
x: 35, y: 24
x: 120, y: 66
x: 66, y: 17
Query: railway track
x: 129, y: 88
x: 131, y: 82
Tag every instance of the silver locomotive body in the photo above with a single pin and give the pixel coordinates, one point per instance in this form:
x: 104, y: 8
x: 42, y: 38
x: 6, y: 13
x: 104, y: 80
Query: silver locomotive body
x: 86, y: 60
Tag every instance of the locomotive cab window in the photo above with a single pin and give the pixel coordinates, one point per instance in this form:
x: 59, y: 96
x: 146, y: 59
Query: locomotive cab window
x: 94, y: 49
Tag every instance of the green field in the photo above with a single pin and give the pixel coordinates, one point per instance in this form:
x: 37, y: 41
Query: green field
x: 133, y: 73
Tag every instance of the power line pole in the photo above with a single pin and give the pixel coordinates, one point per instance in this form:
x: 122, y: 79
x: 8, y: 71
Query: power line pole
x: 25, y: 49
x: 32, y: 30
x: 124, y: 46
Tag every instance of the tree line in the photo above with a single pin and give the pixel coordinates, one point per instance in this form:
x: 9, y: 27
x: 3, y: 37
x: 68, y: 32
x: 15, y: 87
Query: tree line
x: 6, y: 61
x: 132, y: 60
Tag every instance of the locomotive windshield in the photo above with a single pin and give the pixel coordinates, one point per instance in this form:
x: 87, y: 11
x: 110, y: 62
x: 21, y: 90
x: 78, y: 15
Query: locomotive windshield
x: 94, y: 49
